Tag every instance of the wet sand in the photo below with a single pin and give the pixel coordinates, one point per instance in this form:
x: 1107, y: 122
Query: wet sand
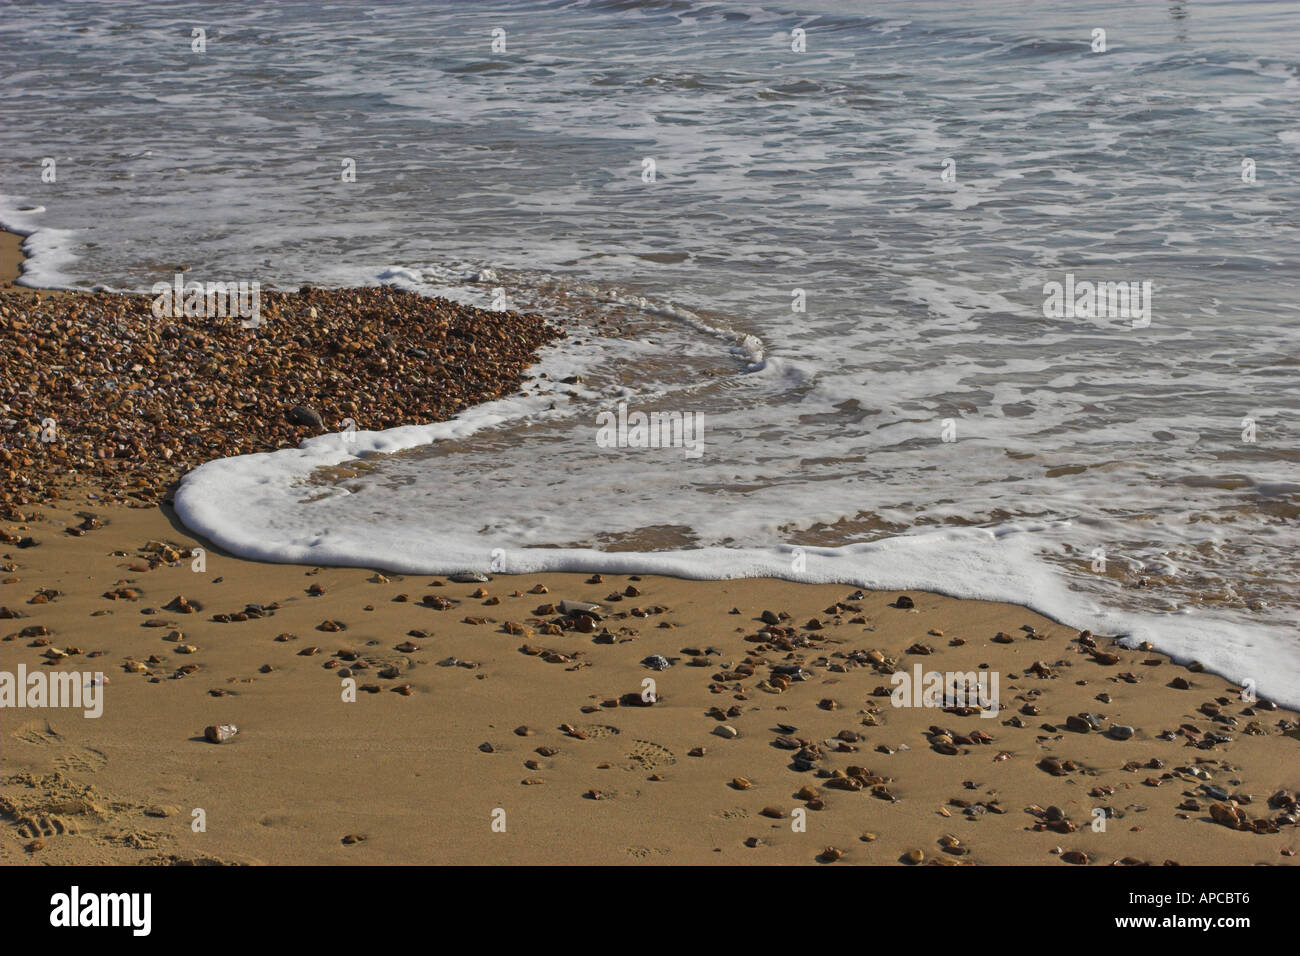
x: 422, y: 776
x: 497, y: 729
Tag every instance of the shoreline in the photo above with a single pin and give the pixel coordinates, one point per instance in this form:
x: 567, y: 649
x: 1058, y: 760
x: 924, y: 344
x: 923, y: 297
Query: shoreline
x: 462, y: 699
x: 468, y: 705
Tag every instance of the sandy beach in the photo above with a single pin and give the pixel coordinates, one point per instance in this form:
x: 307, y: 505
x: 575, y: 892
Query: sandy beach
x: 462, y: 713
x: 382, y: 718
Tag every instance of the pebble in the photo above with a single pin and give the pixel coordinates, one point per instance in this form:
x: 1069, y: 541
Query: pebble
x: 190, y: 389
x: 304, y: 415
x: 220, y: 733
x: 726, y: 731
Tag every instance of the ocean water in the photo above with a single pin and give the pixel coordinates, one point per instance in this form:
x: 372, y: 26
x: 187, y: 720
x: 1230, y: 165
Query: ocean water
x: 921, y: 171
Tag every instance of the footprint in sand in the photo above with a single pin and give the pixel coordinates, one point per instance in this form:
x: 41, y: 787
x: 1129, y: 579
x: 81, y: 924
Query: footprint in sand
x: 39, y: 825
x: 137, y: 839
x: 599, y: 730
x: 46, y: 806
x: 648, y: 755
x: 36, y: 732
x: 82, y: 760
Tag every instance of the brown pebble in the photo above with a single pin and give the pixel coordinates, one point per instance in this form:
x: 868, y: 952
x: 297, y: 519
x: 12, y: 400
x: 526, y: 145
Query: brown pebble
x: 220, y: 733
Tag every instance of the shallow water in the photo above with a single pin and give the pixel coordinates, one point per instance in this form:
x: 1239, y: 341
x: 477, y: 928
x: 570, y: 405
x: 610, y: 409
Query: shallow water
x: 1101, y: 470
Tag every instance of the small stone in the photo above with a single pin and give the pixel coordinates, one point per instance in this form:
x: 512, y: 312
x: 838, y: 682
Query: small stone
x: 220, y: 733
x: 726, y: 731
x: 1078, y: 724
x: 306, y: 416
x: 915, y: 857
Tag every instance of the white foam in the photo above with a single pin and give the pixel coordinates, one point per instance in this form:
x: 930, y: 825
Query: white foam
x: 50, y: 252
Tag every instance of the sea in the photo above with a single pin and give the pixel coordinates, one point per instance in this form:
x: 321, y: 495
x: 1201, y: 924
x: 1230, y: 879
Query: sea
x: 848, y: 250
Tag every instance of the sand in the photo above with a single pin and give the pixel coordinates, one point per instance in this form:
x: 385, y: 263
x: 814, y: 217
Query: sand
x: 11, y: 257
x: 409, y: 773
